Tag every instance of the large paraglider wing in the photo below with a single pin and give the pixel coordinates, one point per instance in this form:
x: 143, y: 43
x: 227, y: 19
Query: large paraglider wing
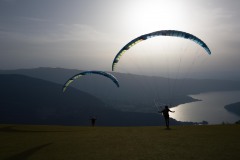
x: 172, y: 33
x: 108, y: 75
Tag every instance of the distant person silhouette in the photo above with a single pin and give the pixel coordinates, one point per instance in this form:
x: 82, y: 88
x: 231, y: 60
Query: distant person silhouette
x: 165, y: 113
x: 93, y: 120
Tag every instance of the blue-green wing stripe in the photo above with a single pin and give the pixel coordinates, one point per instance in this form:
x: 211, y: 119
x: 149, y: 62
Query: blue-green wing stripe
x: 172, y: 33
x: 108, y: 75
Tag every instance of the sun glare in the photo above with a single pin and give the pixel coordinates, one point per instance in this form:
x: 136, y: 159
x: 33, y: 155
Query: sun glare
x: 147, y: 16
x: 161, y: 54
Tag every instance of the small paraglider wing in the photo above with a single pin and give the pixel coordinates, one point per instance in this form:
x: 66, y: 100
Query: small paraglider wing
x: 108, y: 75
x: 172, y: 33
x: 70, y: 81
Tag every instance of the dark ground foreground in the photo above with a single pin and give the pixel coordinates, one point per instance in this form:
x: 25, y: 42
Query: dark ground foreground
x: 30, y: 142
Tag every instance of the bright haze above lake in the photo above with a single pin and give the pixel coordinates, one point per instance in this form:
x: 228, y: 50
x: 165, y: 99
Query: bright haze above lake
x: 87, y: 35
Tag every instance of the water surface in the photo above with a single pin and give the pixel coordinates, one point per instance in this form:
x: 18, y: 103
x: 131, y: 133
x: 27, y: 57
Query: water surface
x: 210, y: 108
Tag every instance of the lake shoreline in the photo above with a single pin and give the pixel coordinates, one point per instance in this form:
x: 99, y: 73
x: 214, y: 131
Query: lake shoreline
x: 210, y: 107
x: 233, y: 108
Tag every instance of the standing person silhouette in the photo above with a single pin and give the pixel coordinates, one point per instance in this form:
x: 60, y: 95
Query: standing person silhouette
x: 165, y: 113
x: 93, y: 120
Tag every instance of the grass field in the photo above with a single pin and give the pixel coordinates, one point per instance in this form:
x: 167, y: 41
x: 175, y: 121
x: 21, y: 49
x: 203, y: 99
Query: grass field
x: 30, y: 142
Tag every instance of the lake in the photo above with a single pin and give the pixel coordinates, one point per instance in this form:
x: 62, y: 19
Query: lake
x: 210, y: 108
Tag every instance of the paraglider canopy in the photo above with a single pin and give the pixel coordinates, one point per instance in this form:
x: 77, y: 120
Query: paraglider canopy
x: 173, y: 33
x: 105, y: 74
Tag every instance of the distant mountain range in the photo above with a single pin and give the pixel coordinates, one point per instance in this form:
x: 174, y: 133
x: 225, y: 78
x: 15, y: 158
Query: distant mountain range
x: 27, y: 100
x: 136, y: 93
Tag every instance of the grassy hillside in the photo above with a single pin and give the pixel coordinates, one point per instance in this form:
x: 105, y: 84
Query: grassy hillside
x: 118, y: 143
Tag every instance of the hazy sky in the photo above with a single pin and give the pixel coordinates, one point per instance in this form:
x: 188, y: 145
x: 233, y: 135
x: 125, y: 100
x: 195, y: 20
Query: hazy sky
x: 87, y: 34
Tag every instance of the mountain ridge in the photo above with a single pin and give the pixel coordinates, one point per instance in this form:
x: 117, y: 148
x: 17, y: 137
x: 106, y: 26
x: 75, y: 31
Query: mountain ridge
x: 136, y: 93
x: 27, y: 100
